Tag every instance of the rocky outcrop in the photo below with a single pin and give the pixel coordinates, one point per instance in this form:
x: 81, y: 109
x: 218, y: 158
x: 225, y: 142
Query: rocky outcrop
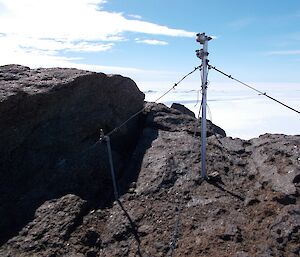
x: 248, y: 207
x: 172, y: 119
x: 50, y: 122
x: 183, y: 109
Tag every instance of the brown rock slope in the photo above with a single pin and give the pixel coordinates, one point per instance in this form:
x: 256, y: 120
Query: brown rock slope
x: 249, y: 207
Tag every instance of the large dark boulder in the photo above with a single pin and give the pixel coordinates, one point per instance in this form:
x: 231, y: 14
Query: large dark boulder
x: 50, y: 123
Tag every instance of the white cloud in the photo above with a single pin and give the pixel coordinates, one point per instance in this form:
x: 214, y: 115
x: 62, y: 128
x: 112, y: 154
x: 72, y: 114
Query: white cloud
x: 73, y: 20
x: 284, y: 52
x: 154, y: 29
x: 7, y: 41
x: 39, y: 32
x: 91, y: 47
x: 151, y: 42
x: 36, y: 58
x: 135, y: 16
x: 46, y: 55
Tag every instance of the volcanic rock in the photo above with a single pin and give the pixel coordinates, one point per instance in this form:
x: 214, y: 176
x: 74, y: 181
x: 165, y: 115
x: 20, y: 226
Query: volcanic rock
x: 165, y: 208
x: 50, y: 125
x: 183, y: 109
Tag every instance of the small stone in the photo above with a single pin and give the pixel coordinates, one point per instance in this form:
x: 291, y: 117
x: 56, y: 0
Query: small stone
x: 91, y: 253
x: 249, y: 201
x: 232, y: 233
x: 215, y: 177
x: 145, y: 230
x: 285, y: 199
x: 90, y: 238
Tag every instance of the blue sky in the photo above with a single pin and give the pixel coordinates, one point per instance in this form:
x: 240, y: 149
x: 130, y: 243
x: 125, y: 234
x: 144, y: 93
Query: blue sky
x: 153, y: 42
x: 251, y: 35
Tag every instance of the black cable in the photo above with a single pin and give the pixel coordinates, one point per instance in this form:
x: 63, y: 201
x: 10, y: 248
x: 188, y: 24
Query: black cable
x: 258, y: 91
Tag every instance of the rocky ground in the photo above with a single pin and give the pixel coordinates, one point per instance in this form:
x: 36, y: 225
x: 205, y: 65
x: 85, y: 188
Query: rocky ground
x: 249, y: 206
